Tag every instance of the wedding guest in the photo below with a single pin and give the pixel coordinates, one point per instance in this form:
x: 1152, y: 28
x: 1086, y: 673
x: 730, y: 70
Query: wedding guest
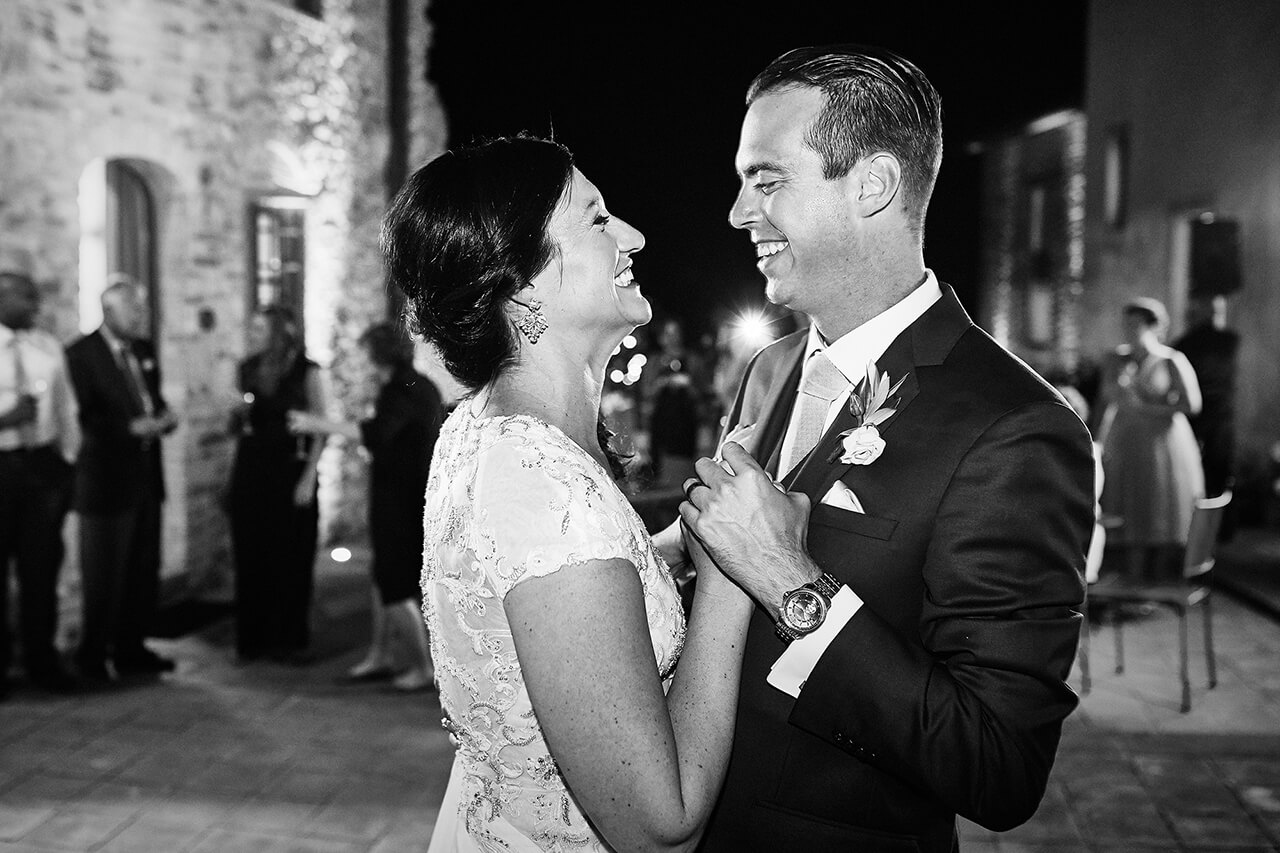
x: 1213, y: 351
x: 274, y: 514
x: 119, y: 486
x: 400, y: 435
x: 39, y: 439
x: 1149, y: 452
x: 675, y: 408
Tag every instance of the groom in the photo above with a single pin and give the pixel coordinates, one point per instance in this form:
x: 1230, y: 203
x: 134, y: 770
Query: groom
x: 907, y: 659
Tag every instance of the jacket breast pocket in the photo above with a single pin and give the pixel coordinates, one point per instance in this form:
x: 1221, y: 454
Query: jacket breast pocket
x: 877, y: 527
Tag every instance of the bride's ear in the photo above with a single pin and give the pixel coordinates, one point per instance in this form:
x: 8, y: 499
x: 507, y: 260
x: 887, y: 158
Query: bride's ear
x: 522, y: 297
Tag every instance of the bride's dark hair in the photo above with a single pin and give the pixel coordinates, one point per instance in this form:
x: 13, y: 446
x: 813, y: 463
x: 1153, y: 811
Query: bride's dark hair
x: 466, y: 232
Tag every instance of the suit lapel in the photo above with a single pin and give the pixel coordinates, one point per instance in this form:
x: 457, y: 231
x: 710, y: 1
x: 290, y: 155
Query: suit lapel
x: 925, y: 342
x: 780, y: 399
x: 116, y: 380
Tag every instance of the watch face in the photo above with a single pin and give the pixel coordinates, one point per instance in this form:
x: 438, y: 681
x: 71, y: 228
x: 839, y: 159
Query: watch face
x: 803, y: 610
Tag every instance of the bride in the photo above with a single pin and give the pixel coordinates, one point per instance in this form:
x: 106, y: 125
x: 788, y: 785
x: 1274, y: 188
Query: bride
x: 555, y: 625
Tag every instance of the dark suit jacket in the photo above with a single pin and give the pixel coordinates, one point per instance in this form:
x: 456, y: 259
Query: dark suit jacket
x: 946, y: 692
x: 115, y: 469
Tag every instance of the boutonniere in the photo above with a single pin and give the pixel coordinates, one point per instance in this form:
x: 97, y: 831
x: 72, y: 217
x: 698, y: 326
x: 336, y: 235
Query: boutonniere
x: 871, y: 404
x: 148, y: 364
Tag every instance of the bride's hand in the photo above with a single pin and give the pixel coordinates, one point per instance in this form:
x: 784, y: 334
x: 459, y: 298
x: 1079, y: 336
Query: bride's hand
x: 671, y: 548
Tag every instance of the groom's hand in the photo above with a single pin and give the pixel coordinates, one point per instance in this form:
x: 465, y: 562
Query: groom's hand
x: 754, y: 531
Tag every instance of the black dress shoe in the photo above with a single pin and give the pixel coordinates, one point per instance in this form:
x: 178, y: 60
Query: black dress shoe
x: 145, y: 662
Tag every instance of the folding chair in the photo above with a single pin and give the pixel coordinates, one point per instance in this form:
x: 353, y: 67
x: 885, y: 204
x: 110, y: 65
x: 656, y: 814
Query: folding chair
x: 1194, y: 588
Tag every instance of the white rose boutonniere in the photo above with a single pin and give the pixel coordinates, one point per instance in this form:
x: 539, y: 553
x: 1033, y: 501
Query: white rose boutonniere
x: 862, y: 445
x: 871, y: 403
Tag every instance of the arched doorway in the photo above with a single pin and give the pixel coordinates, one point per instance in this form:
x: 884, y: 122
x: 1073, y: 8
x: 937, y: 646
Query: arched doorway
x: 118, y: 236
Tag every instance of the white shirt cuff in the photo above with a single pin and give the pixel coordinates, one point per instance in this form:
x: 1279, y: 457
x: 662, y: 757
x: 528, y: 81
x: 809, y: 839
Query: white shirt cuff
x: 790, y: 671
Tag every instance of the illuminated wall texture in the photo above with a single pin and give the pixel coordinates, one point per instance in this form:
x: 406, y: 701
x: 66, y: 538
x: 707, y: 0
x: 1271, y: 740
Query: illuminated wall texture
x: 217, y: 105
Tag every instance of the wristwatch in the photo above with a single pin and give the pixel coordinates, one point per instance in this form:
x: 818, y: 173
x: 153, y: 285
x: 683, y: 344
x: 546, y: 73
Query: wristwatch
x: 805, y: 608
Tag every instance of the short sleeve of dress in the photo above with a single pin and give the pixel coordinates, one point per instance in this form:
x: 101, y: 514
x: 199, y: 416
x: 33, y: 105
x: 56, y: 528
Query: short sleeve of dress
x: 539, y: 507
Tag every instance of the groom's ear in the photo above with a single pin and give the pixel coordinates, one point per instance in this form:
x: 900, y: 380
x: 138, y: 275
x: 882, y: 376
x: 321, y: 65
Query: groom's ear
x: 878, y: 178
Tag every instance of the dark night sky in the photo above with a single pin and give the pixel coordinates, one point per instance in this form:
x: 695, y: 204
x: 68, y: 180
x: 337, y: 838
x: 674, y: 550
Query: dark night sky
x: 649, y: 96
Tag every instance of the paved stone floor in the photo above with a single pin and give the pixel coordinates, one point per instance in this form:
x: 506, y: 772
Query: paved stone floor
x: 217, y: 758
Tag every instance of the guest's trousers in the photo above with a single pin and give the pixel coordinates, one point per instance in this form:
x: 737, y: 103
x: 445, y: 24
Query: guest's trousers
x: 120, y: 566
x: 35, y: 494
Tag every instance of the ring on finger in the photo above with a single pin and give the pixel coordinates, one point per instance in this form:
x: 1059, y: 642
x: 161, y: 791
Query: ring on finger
x: 690, y: 484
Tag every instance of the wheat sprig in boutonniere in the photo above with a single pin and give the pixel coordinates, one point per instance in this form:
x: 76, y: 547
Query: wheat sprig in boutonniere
x: 871, y: 404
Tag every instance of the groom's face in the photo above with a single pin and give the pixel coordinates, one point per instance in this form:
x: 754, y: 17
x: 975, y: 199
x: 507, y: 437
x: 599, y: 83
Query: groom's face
x: 802, y: 225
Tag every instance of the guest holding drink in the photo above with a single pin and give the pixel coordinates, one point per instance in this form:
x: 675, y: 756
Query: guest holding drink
x: 119, y: 489
x: 39, y: 438
x: 1149, y: 452
x: 274, y: 516
x: 400, y: 435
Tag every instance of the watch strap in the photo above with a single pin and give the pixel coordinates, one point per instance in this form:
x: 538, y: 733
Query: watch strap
x: 826, y: 585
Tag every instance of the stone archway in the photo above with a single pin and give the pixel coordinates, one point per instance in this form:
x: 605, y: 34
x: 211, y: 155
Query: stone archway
x: 120, y: 218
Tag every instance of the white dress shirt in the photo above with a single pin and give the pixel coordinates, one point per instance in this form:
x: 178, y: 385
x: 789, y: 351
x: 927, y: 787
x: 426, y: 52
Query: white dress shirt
x: 44, y: 376
x: 851, y: 354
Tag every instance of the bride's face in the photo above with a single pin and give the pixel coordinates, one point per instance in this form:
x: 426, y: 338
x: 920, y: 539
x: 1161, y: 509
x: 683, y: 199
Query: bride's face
x: 590, y: 284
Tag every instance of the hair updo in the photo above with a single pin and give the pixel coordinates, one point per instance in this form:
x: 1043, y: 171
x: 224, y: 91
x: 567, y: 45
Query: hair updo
x: 466, y: 232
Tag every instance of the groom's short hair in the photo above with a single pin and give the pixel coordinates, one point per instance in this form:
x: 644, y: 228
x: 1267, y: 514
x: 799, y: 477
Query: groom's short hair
x: 875, y: 101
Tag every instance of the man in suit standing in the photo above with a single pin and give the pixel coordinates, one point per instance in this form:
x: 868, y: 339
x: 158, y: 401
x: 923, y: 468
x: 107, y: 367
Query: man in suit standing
x: 119, y: 486
x: 1213, y: 350
x: 38, y: 441
x: 918, y: 568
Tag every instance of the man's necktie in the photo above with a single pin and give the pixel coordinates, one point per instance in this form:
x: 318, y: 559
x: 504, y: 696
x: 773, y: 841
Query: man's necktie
x: 133, y: 375
x: 20, y: 387
x: 820, y: 384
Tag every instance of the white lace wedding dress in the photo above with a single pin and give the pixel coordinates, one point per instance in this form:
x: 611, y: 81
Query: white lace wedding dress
x: 513, y: 498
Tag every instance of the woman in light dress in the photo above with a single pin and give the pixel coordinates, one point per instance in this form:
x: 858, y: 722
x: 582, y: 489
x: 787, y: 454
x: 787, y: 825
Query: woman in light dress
x: 1149, y: 452
x: 555, y: 625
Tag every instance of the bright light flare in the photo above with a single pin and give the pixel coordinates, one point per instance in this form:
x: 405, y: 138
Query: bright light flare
x: 752, y: 327
x: 340, y: 555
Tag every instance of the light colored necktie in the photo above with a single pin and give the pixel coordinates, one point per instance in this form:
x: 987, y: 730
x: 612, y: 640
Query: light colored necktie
x: 25, y: 435
x: 821, y: 383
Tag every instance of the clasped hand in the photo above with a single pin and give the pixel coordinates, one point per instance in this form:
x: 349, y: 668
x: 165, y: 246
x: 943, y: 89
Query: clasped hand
x: 754, y: 530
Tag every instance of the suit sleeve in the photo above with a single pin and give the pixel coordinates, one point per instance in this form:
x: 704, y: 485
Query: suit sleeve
x: 971, y: 709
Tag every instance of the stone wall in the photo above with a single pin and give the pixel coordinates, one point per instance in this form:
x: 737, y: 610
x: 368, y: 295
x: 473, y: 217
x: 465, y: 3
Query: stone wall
x: 1031, y: 285
x: 217, y: 103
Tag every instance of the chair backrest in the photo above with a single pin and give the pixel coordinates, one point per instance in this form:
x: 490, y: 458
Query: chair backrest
x: 1206, y: 519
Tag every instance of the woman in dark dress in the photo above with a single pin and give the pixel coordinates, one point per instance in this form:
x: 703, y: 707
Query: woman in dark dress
x: 400, y: 437
x: 274, y: 517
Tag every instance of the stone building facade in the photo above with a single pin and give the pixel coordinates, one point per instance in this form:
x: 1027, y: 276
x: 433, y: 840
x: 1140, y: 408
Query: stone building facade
x: 1183, y: 100
x: 1033, y: 241
x: 1167, y: 184
x: 226, y: 153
